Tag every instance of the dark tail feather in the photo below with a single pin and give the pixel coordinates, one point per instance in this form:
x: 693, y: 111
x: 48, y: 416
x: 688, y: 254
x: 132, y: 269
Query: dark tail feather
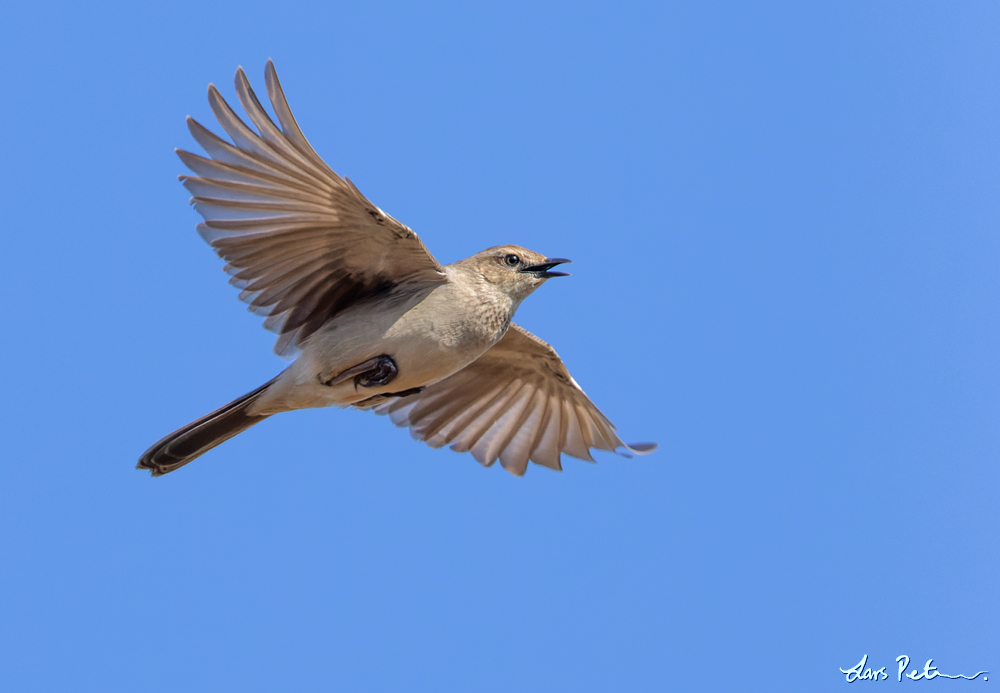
x: 198, y: 437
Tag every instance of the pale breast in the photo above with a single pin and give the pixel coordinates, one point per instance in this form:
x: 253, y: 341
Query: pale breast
x: 446, y: 331
x: 429, y: 334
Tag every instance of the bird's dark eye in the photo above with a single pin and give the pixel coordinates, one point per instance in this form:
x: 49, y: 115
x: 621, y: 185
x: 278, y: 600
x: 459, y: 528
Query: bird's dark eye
x: 512, y: 260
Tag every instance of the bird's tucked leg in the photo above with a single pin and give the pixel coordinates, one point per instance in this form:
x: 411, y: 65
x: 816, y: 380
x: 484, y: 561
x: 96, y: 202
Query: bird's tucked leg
x: 376, y: 400
x: 375, y: 372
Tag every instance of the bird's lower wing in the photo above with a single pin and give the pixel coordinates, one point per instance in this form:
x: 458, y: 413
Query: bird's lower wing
x: 517, y: 402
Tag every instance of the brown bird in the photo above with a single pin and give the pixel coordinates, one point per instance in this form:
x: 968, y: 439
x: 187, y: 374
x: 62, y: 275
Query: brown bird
x: 377, y: 323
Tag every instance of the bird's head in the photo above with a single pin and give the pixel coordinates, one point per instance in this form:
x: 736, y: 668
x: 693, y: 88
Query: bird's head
x: 515, y: 270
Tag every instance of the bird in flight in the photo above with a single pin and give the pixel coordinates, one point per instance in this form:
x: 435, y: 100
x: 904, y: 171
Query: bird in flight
x: 374, y: 320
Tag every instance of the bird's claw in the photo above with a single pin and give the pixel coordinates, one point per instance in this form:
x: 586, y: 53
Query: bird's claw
x: 375, y: 372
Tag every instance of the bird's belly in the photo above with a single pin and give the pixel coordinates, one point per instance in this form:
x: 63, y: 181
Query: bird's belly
x: 423, y: 351
x: 422, y: 361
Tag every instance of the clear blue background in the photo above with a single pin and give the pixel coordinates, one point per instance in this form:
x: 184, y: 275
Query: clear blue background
x: 784, y: 225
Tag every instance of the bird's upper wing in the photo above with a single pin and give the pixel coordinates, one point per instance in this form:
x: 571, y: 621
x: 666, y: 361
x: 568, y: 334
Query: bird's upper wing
x: 300, y: 241
x: 515, y: 402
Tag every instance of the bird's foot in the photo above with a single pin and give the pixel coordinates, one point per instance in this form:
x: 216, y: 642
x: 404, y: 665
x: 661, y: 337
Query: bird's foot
x: 378, y: 399
x: 375, y: 372
x: 404, y: 393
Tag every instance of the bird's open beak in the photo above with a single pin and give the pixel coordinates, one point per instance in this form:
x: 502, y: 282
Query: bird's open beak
x: 542, y: 268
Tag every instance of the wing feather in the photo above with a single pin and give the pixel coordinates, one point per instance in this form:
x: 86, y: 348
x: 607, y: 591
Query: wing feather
x: 546, y: 450
x: 300, y: 242
x: 482, y: 421
x: 455, y: 415
x: 265, y: 126
x: 575, y: 445
x: 502, y: 427
x: 289, y: 127
x: 521, y: 441
x: 516, y: 403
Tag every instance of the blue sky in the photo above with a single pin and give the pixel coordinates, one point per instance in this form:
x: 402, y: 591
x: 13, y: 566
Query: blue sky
x: 784, y: 225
